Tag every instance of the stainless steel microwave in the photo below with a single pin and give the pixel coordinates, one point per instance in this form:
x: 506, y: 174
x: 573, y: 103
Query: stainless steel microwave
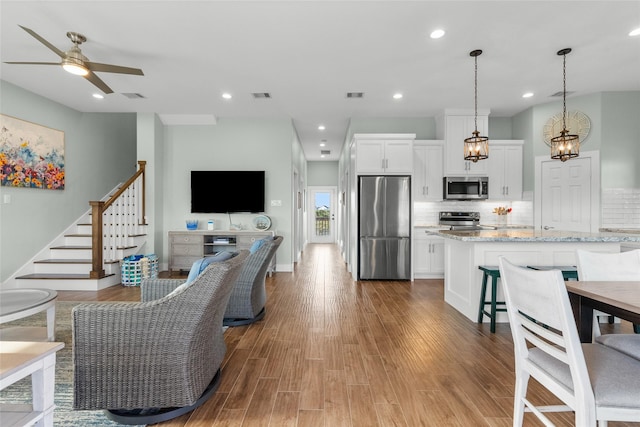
x: 466, y: 187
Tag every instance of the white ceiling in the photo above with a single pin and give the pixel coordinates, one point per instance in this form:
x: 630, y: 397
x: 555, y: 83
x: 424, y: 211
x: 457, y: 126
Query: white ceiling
x: 309, y: 54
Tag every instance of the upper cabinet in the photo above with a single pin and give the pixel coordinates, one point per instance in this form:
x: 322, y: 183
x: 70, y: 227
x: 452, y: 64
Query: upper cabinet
x: 454, y: 127
x: 384, y: 153
x: 427, y: 170
x: 505, y: 169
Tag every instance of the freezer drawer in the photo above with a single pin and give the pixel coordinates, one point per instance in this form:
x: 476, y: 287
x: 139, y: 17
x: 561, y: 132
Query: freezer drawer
x: 385, y: 259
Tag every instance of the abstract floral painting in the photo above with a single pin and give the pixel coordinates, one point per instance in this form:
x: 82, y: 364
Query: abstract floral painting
x: 31, y: 156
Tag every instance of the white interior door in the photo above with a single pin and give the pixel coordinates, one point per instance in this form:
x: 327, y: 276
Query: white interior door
x: 567, y: 197
x: 322, y: 218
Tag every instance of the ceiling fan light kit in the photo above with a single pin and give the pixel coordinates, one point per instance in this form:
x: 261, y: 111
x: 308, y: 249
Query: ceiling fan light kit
x: 74, y: 62
x: 477, y: 147
x: 565, y: 145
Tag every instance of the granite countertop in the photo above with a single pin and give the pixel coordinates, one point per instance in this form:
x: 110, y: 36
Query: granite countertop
x: 530, y: 235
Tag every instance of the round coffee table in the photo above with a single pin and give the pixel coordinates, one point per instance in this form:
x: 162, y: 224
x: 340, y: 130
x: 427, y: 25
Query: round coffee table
x: 18, y: 303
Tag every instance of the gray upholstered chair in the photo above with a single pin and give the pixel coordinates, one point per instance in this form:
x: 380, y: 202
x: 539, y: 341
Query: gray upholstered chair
x: 249, y: 295
x: 163, y: 354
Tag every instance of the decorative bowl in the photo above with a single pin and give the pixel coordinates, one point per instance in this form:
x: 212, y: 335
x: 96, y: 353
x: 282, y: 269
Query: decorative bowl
x: 192, y: 224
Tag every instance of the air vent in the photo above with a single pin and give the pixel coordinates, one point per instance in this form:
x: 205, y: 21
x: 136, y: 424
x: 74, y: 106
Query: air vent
x: 355, y: 94
x: 325, y: 152
x: 559, y: 94
x: 134, y: 96
x: 261, y: 95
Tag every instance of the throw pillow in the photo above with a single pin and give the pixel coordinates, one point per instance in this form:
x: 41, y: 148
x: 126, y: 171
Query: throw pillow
x: 200, y: 265
x: 258, y: 244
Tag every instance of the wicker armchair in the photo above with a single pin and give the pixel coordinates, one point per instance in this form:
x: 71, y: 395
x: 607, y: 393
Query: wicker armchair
x: 246, y: 304
x: 163, y: 353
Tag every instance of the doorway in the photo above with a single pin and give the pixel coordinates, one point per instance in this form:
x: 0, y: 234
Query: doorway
x: 567, y: 194
x: 322, y: 218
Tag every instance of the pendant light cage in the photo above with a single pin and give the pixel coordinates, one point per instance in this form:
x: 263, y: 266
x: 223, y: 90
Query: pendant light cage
x: 477, y: 147
x: 565, y: 145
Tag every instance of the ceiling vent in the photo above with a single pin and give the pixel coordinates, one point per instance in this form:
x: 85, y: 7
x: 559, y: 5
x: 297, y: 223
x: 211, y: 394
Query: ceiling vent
x: 261, y: 95
x: 559, y: 94
x: 134, y: 96
x: 325, y: 152
x: 355, y: 94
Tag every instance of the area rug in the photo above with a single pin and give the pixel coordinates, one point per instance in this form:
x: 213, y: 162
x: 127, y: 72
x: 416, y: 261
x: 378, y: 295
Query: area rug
x: 20, y: 392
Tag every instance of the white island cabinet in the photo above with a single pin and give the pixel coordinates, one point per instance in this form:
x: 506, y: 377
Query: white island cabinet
x: 464, y: 251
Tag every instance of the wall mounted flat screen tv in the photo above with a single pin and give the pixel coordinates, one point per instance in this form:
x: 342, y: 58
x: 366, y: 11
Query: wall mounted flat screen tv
x: 227, y: 191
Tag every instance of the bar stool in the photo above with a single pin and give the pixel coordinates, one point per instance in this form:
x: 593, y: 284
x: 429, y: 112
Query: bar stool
x: 569, y: 272
x: 494, y: 273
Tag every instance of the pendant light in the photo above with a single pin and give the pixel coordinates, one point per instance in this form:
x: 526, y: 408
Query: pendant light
x: 477, y: 147
x: 566, y: 145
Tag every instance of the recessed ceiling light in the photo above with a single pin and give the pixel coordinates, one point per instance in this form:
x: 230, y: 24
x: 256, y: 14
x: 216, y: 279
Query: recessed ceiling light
x: 635, y: 32
x: 322, y: 144
x: 321, y: 127
x: 98, y: 96
x: 322, y: 156
x: 527, y: 95
x: 436, y: 34
x: 397, y: 95
x: 226, y: 95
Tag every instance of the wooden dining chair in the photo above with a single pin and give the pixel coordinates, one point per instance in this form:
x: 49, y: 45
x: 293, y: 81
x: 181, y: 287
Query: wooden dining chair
x: 596, y: 382
x: 619, y: 266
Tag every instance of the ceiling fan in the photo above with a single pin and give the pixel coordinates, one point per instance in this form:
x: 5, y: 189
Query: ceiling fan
x: 75, y: 62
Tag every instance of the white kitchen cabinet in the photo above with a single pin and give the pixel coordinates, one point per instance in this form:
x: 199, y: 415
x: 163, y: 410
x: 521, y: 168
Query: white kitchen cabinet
x: 427, y: 170
x: 505, y: 169
x: 457, y: 128
x: 428, y: 255
x: 384, y: 153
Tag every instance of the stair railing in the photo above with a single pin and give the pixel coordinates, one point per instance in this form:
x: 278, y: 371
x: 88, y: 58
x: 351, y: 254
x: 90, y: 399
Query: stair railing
x: 115, y: 220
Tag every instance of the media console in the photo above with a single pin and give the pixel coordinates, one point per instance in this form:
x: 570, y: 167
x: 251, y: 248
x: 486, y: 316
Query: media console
x: 186, y: 247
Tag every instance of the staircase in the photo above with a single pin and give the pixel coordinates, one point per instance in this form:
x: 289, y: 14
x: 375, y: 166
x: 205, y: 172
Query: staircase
x: 69, y: 264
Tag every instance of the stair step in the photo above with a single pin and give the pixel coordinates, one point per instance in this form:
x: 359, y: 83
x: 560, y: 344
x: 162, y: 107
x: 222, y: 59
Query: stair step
x: 71, y: 261
x: 43, y: 276
x: 72, y: 247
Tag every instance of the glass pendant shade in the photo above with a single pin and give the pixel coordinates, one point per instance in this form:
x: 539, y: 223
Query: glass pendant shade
x: 476, y: 148
x: 565, y: 146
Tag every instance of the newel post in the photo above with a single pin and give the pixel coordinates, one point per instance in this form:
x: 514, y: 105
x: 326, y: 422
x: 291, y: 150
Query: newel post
x: 141, y: 166
x: 97, y: 208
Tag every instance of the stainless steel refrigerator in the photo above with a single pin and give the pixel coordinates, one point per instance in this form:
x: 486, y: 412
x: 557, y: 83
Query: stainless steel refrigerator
x: 384, y: 227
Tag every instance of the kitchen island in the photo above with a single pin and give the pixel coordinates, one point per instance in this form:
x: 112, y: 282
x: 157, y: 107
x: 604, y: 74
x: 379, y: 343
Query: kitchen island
x: 464, y: 251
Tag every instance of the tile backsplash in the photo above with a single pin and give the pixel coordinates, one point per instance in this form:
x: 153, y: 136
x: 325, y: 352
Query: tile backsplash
x: 620, y: 208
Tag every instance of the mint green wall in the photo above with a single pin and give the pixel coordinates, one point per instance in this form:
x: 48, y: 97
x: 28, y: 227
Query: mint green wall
x: 322, y: 174
x: 620, y: 147
x: 150, y: 141
x: 100, y: 152
x: 231, y: 144
x: 615, y: 126
x: 500, y: 128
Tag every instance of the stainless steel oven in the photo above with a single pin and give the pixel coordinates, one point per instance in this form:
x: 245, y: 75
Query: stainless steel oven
x: 466, y: 187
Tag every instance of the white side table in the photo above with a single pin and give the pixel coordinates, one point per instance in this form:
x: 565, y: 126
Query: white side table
x: 38, y: 359
x: 18, y: 303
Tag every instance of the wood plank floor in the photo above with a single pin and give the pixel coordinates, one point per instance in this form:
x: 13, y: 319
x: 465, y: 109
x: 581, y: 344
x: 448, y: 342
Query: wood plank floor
x: 335, y: 352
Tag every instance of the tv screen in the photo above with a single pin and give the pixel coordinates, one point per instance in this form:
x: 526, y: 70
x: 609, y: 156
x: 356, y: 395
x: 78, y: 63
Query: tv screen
x: 227, y: 191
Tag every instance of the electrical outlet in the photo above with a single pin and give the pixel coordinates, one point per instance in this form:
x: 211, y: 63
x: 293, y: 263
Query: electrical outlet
x: 276, y: 203
x: 6, y: 199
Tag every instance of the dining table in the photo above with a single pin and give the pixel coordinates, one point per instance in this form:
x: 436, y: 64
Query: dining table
x: 620, y: 299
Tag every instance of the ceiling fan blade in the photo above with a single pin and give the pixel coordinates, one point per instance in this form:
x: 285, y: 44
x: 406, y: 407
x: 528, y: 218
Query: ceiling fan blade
x: 35, y: 63
x: 97, y: 82
x: 58, y: 52
x: 108, y: 68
